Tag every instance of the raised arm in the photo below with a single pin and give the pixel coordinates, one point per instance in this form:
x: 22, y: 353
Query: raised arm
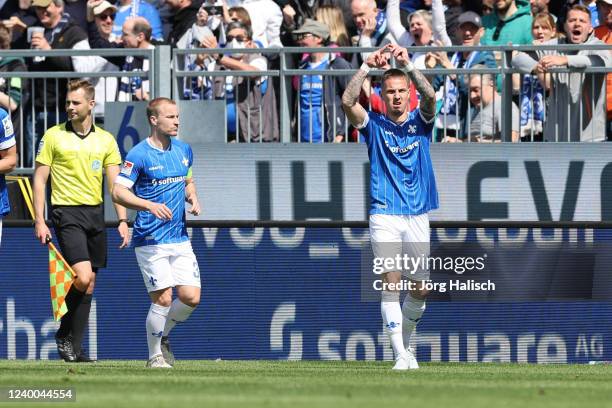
x: 438, y: 22
x: 396, y: 28
x: 356, y: 113
x: 427, y: 104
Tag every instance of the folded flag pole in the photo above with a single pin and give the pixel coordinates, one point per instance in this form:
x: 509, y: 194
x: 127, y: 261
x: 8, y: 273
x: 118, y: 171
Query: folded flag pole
x: 61, y: 275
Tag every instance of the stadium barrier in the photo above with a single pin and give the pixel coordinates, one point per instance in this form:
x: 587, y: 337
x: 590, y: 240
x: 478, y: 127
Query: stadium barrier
x: 166, y: 78
x: 294, y: 290
x: 510, y: 84
x: 38, y: 91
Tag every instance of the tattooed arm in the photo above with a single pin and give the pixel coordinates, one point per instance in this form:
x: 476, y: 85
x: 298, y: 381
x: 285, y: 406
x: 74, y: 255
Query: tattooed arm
x: 356, y: 113
x: 427, y: 105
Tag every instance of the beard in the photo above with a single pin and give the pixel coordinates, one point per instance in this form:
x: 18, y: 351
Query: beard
x: 538, y: 8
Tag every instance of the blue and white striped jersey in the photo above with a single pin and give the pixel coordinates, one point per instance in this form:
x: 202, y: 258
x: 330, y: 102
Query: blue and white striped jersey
x: 402, y: 180
x: 159, y: 176
x: 7, y: 140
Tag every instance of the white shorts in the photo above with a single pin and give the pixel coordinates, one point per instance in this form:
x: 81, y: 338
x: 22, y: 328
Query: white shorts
x: 393, y: 235
x: 168, y: 265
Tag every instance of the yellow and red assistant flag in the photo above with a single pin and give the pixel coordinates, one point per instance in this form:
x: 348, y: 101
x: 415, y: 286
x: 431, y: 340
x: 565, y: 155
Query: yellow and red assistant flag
x: 61, y: 277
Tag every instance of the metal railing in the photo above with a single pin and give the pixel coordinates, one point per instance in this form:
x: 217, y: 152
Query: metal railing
x: 508, y: 77
x: 166, y: 78
x: 39, y: 91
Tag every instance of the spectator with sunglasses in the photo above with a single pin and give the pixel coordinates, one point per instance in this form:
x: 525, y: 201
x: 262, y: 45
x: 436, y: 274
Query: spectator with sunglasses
x: 508, y: 23
x: 101, y: 17
x: 252, y: 113
x: 319, y: 98
x: 136, y: 33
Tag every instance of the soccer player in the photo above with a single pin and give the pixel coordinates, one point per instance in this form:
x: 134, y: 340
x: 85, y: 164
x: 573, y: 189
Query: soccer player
x: 8, y: 160
x: 156, y: 180
x: 75, y: 153
x: 402, y: 188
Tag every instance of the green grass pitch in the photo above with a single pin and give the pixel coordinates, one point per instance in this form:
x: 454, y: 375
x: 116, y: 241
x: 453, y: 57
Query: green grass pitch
x: 248, y: 384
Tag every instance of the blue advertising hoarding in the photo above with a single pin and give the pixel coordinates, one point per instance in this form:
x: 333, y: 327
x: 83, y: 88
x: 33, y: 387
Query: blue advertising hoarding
x: 294, y: 293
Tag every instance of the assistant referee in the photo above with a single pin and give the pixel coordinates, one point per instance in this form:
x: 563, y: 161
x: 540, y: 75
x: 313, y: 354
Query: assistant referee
x: 74, y: 153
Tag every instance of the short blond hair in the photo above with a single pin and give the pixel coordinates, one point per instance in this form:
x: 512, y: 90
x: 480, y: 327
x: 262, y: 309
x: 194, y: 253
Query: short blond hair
x: 85, y: 85
x: 153, y: 106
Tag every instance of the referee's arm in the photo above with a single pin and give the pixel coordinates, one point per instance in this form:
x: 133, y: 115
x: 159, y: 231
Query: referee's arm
x: 41, y: 175
x: 112, y: 171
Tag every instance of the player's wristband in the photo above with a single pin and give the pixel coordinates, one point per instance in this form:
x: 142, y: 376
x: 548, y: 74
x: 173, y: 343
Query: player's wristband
x: 124, y: 220
x: 365, y: 67
x: 409, y: 67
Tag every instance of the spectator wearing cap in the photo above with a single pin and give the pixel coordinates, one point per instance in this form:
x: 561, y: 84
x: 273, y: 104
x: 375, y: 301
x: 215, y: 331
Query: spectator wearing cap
x: 59, y: 32
x: 319, y: 101
x: 137, y: 8
x: 507, y: 24
x: 454, y: 110
x: 295, y: 12
x: 604, y: 33
x: 576, y: 101
x: 100, y: 17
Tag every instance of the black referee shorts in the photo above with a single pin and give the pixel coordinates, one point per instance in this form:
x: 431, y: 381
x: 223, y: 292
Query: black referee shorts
x: 81, y: 233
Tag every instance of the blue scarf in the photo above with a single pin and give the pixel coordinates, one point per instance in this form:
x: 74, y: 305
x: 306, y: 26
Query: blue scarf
x: 380, y: 29
x: 452, y: 93
x: 50, y: 35
x: 532, y: 102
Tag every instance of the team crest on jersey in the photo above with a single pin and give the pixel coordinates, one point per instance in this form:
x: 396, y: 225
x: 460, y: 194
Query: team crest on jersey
x: 7, y: 124
x: 185, y: 161
x: 96, y: 165
x: 127, y: 167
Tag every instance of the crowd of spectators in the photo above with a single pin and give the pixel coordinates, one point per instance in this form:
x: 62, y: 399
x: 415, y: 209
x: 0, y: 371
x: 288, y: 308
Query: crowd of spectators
x: 546, y: 104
